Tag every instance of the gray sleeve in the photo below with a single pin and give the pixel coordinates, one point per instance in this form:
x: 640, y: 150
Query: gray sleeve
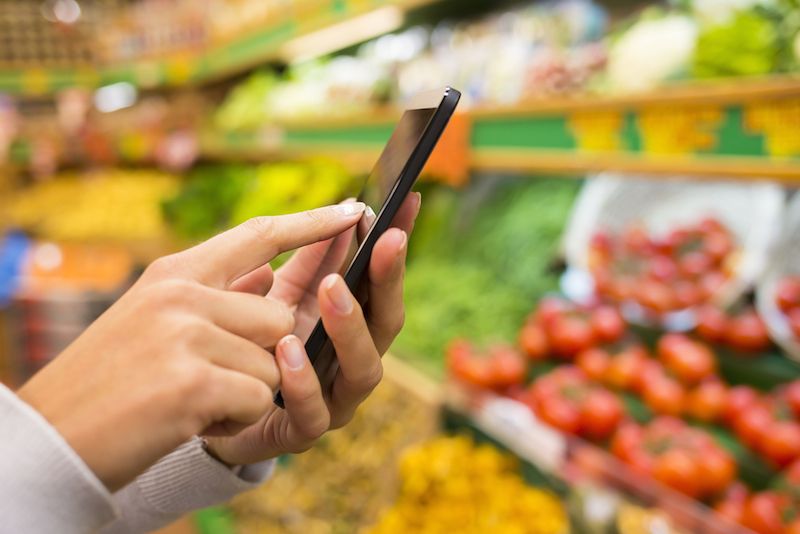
x: 44, y: 485
x: 184, y: 480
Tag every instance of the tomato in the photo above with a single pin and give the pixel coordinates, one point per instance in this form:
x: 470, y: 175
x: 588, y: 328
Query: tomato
x: 711, y: 224
x: 710, y: 283
x: 569, y: 334
x: 594, y: 362
x: 635, y: 239
x: 560, y: 413
x: 763, y: 514
x: 688, y: 360
x: 711, y: 323
x: 707, y: 401
x: 717, y: 471
x: 549, y: 309
x: 747, y: 332
x: 694, y: 264
x: 507, y: 367
x: 792, y: 395
x: 739, y: 400
x: 625, y: 368
x: 687, y: 293
x: 607, y: 324
x: 717, y: 245
x: 731, y: 510
x: 665, y: 397
x: 654, y: 295
x: 663, y: 268
x: 533, y: 341
x: 677, y: 469
x: 650, y: 371
x: 780, y: 443
x: 793, y: 527
x: 626, y: 439
x: 601, y: 412
x: 794, y: 321
x: 668, y: 343
x: 787, y: 293
x: 601, y: 242
x: 751, y: 425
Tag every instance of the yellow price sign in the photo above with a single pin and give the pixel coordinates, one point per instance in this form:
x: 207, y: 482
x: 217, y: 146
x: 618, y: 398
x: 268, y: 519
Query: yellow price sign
x: 778, y: 122
x: 678, y: 130
x: 35, y: 81
x: 597, y: 131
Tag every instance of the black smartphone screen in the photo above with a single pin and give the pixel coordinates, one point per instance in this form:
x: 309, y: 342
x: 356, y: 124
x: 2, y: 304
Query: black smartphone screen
x: 383, y: 192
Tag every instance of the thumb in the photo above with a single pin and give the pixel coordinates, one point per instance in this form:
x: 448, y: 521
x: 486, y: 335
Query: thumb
x: 229, y: 255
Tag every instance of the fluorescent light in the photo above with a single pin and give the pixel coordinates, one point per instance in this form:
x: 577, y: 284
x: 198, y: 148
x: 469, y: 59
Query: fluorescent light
x: 343, y: 34
x: 115, y: 97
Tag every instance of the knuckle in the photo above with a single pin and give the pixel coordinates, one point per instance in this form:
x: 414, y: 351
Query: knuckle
x: 262, y: 227
x: 262, y: 400
x: 284, y: 319
x: 163, y: 267
x: 312, y: 430
x: 172, y: 292
x: 193, y: 380
x: 372, y: 378
x: 398, y: 322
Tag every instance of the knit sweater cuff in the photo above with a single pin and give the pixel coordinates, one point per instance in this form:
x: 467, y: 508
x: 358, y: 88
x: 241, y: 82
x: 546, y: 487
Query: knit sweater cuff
x: 45, y: 486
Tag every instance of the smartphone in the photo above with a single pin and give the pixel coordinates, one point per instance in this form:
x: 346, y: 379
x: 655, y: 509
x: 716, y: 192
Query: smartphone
x: 387, y: 186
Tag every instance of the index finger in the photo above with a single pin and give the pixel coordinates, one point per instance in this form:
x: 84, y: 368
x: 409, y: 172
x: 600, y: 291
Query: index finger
x: 229, y: 255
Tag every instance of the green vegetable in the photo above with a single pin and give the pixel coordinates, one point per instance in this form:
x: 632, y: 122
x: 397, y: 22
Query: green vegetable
x: 480, y: 259
x: 746, y: 45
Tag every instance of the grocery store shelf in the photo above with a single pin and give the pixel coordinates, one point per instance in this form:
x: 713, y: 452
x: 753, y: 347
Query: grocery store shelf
x: 745, y: 129
x: 213, y: 62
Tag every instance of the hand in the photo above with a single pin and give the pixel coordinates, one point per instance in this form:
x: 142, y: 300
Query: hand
x: 178, y: 354
x: 359, y: 338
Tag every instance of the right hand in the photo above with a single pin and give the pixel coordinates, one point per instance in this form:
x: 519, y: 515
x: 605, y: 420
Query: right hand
x: 178, y: 354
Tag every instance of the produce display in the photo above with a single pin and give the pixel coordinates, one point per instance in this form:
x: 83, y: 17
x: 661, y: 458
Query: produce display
x: 216, y: 197
x: 452, y: 485
x: 349, y: 491
x: 661, y: 274
x: 114, y: 205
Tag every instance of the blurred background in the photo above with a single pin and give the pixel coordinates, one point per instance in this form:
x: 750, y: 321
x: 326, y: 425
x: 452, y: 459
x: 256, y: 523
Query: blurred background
x: 603, y: 290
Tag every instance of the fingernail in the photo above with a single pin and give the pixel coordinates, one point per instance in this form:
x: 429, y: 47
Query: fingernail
x: 349, y: 208
x: 339, y: 294
x: 418, y: 196
x: 293, y: 354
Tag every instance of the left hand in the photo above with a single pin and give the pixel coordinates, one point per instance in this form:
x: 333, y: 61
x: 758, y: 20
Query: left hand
x: 359, y: 337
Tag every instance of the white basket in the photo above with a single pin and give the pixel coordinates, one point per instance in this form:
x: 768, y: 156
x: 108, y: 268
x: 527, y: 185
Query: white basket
x: 752, y: 211
x: 784, y: 261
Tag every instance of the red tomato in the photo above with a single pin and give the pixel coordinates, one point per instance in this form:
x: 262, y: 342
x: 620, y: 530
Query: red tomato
x: 560, y: 413
x: 794, y: 321
x: 594, y: 362
x: 711, y: 224
x: 687, y: 293
x: 738, y: 401
x: 549, y: 309
x: 710, y: 283
x: 533, y: 341
x: 763, y: 514
x: 663, y: 268
x: 707, y: 402
x: 780, y: 443
x: 507, y: 367
x: 731, y: 510
x: 654, y: 295
x: 677, y: 469
x: 569, y: 334
x: 635, y: 239
x: 717, y: 471
x: 751, y: 425
x: 793, y: 527
x: 624, y: 368
x: 688, y: 360
x: 792, y: 395
x: 602, y: 242
x: 792, y: 473
x: 787, y: 294
x: 668, y: 343
x: 650, y: 371
x: 711, y: 323
x: 607, y: 324
x: 627, y: 438
x: 601, y: 413
x: 696, y: 263
x: 747, y: 332
x: 665, y: 397
x: 718, y: 244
